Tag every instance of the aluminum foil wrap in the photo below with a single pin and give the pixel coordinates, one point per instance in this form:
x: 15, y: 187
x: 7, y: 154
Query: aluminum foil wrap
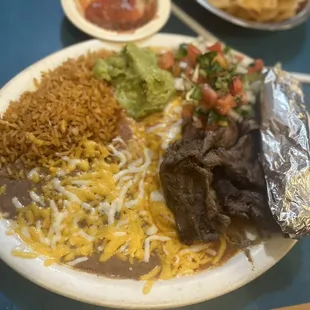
x: 285, y: 152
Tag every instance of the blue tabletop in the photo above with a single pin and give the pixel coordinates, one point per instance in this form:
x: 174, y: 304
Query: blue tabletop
x: 33, y: 29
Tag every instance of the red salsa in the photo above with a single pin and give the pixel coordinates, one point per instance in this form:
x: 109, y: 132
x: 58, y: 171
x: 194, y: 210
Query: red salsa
x: 120, y: 15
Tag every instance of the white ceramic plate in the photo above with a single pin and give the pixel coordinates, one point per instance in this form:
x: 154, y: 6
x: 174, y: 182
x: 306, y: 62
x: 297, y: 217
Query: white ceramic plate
x: 128, y: 293
x: 74, y: 14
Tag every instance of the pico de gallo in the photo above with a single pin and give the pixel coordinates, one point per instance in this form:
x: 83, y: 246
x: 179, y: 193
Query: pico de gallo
x: 215, y: 82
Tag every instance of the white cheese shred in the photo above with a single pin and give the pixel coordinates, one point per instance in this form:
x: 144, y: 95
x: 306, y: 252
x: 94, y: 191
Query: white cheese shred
x: 16, y: 203
x: 36, y: 198
x: 157, y: 196
x: 147, y: 242
x: 195, y: 249
x: 78, y: 261
x: 152, y: 230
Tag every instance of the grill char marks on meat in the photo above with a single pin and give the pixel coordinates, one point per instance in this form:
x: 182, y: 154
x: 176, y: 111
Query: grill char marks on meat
x: 240, y: 163
x: 213, y: 176
x: 187, y: 189
x: 245, y: 204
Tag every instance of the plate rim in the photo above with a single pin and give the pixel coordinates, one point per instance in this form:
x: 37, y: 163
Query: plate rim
x: 75, y: 17
x: 18, y: 264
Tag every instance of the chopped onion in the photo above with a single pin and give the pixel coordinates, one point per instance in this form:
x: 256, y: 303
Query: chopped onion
x: 185, y: 77
x: 183, y: 64
x: 188, y: 84
x: 250, y: 96
x: 241, y: 70
x: 188, y: 96
x: 234, y: 115
x: 179, y: 84
x: 195, y: 76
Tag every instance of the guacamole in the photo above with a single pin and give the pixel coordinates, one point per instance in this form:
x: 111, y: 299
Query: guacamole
x: 141, y: 87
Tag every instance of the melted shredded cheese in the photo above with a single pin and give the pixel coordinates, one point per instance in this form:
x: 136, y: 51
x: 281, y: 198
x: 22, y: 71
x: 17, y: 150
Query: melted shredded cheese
x: 114, y: 207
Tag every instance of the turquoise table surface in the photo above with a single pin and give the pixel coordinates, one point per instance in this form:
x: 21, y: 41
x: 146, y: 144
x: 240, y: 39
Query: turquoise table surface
x: 33, y: 29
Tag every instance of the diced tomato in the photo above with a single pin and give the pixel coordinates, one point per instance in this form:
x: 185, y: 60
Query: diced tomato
x: 257, y: 67
x: 166, y: 61
x: 259, y: 64
x: 217, y: 47
x: 192, y: 53
x: 209, y: 96
x: 251, y: 70
x: 188, y: 111
x: 225, y: 104
x: 236, y: 86
x: 189, y: 71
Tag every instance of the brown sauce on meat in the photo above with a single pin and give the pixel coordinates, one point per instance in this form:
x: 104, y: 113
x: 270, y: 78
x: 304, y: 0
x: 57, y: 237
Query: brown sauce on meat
x: 116, y: 268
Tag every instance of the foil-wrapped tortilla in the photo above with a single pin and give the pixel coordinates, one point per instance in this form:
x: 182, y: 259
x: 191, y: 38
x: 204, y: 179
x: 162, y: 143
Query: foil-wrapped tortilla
x: 285, y: 152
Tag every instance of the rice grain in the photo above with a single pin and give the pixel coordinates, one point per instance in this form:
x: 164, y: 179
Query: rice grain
x: 68, y: 107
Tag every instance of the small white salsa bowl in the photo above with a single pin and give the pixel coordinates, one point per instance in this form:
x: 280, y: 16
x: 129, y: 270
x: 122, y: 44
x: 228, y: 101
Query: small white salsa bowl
x: 75, y: 15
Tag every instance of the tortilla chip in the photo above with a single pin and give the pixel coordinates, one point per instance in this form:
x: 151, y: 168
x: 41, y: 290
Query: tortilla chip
x: 260, y: 10
x: 221, y: 4
x: 287, y: 9
x: 258, y: 5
